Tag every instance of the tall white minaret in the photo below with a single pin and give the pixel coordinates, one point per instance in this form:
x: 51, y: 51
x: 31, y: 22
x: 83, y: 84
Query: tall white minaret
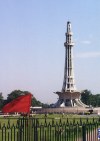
x: 69, y: 97
x: 68, y: 82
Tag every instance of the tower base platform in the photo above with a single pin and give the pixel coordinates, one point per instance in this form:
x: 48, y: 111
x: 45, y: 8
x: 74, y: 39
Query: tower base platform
x: 69, y: 99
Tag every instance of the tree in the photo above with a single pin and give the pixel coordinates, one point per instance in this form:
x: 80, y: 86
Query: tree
x: 95, y: 100
x: 1, y: 101
x: 89, y: 99
x: 86, y: 97
x: 14, y: 94
x: 35, y: 102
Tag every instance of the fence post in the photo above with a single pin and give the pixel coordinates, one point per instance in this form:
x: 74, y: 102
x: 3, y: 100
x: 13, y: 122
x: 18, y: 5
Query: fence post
x: 20, y: 130
x: 35, y: 130
x: 84, y: 132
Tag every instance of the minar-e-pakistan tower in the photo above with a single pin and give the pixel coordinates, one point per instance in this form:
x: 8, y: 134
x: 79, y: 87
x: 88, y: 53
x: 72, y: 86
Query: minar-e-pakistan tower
x: 69, y: 96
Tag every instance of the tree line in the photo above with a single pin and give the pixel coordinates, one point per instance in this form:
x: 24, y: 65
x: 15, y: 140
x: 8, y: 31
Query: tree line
x: 86, y: 97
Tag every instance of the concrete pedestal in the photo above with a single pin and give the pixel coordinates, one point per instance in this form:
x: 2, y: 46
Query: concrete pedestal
x: 69, y: 99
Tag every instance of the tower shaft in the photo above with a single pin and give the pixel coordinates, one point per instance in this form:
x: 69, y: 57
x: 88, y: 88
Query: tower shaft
x: 68, y: 82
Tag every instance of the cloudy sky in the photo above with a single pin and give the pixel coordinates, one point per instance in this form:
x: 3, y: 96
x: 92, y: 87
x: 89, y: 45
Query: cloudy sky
x: 32, y: 36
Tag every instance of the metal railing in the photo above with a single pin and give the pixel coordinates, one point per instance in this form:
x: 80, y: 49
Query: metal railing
x: 48, y: 129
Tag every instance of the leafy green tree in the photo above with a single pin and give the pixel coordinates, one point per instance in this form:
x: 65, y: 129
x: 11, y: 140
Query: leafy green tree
x: 89, y: 99
x: 35, y: 102
x: 1, y: 101
x: 95, y: 100
x: 86, y: 97
x: 14, y: 94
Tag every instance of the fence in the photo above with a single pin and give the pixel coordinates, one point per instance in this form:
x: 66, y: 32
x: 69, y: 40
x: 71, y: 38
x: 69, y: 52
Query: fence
x: 48, y: 129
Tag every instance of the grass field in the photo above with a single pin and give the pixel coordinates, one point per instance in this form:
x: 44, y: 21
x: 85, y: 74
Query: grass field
x: 13, y: 121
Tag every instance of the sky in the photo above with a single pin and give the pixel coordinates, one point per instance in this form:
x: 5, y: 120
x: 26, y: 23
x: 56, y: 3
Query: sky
x: 32, y: 53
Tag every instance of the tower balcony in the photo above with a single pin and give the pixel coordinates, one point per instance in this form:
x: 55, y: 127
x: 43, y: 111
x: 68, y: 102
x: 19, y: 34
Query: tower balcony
x: 69, y: 44
x: 70, y: 77
x: 69, y: 33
